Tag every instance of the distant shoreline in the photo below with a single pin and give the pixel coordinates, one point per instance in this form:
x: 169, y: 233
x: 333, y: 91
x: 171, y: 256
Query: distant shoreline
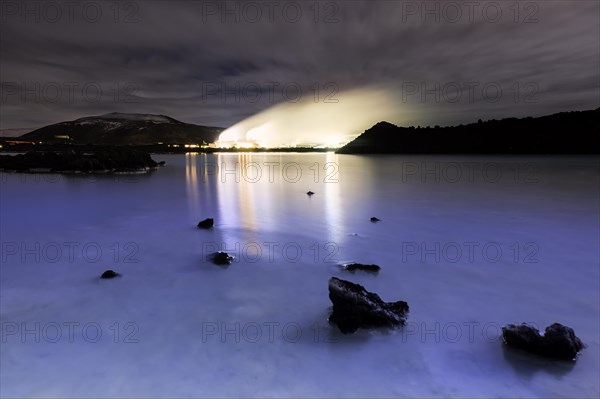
x: 572, y: 132
x: 152, y: 150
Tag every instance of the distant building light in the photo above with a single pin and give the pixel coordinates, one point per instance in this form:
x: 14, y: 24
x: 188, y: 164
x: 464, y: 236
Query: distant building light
x: 15, y: 142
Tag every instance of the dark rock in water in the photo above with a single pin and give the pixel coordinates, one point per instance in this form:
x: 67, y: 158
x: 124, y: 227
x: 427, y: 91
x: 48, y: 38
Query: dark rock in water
x: 222, y: 258
x: 109, y: 274
x: 374, y: 219
x: 354, y: 307
x: 352, y: 267
x: 558, y: 341
x: 206, y: 223
x: 562, y: 341
x: 161, y: 163
x: 310, y: 193
x: 94, y: 160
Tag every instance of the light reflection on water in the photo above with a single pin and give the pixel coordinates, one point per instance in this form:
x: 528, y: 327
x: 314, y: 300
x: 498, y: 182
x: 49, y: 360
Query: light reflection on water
x: 236, y: 191
x: 191, y: 178
x: 253, y: 191
x: 333, y: 207
x: 249, y: 194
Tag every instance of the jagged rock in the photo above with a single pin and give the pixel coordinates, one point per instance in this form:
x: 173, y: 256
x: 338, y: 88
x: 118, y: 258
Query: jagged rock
x: 355, y: 307
x: 352, y: 267
x: 310, y: 193
x: 222, y: 258
x: 109, y: 274
x: 374, y: 219
x: 206, y: 223
x: 558, y: 341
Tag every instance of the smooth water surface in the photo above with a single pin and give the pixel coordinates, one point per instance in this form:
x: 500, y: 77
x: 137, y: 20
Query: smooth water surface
x: 471, y: 243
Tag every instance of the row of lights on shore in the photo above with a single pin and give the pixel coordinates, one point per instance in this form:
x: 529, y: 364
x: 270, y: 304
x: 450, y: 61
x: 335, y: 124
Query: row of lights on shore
x: 186, y: 145
x: 204, y: 146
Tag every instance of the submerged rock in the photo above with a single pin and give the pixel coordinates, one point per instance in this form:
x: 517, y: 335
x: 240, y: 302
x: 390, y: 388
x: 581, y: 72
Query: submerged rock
x: 109, y: 274
x: 222, y: 258
x: 375, y: 220
x: 206, y: 223
x: 558, y: 341
x: 352, y: 267
x: 355, y: 307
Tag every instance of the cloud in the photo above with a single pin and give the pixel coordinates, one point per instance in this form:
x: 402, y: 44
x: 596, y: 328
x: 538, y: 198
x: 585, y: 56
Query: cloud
x: 204, y: 61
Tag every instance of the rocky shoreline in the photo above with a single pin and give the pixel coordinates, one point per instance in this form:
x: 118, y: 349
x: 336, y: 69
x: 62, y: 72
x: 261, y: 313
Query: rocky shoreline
x: 98, y: 160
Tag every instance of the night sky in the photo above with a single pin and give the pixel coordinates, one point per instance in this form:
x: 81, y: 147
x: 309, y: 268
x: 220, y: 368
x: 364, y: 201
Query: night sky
x: 217, y: 63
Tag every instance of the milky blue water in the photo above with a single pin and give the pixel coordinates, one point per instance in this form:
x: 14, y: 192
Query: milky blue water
x: 471, y: 243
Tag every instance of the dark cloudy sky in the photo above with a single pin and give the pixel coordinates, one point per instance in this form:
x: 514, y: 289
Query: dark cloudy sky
x: 216, y: 63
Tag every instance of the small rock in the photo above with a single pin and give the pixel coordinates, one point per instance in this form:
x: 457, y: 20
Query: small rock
x: 310, y: 193
x: 352, y: 267
x: 161, y: 163
x: 222, y: 258
x: 109, y: 274
x: 558, y: 341
x: 206, y: 223
x: 355, y: 307
x: 375, y: 220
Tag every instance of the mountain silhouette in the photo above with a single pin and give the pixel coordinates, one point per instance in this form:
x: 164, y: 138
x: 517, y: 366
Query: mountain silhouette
x: 562, y: 133
x: 124, y: 129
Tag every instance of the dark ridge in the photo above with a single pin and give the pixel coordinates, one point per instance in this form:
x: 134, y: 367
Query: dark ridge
x: 562, y: 133
x: 124, y: 129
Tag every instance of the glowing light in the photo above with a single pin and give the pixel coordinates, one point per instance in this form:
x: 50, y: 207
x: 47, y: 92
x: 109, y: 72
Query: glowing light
x: 332, y: 141
x: 245, y: 144
x: 314, y: 124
